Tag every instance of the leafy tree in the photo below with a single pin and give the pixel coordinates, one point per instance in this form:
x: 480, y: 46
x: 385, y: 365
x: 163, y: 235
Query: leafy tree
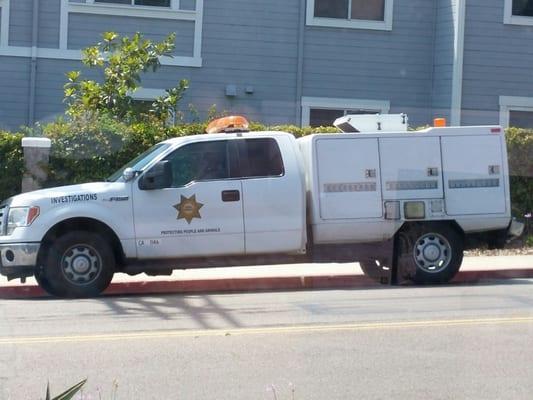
x: 122, y: 61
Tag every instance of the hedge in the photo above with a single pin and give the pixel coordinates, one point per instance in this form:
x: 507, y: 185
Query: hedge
x: 11, y: 164
x: 91, y: 150
x: 520, y: 155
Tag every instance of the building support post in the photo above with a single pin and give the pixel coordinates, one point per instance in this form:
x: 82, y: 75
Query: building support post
x: 36, y: 159
x: 300, y: 63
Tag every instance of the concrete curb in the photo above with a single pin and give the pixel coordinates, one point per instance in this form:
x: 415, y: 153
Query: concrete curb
x: 256, y: 284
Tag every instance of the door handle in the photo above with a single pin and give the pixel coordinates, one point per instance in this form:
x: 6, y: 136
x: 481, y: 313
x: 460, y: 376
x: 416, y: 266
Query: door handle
x: 231, y: 195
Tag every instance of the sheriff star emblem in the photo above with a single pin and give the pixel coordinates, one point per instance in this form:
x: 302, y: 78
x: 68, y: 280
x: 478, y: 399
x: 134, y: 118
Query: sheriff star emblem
x: 188, y: 208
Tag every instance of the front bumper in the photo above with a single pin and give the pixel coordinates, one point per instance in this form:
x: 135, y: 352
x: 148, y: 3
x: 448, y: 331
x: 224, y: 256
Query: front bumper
x: 18, y: 260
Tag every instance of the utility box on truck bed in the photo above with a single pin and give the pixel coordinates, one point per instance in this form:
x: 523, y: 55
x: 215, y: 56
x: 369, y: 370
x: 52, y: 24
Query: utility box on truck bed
x: 366, y: 185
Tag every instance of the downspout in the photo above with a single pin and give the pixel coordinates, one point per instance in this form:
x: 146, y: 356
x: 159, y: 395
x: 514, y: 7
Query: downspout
x: 300, y: 63
x: 434, y: 62
x: 457, y: 76
x: 33, y: 62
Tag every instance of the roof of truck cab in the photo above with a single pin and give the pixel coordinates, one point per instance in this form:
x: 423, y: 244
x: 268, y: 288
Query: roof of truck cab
x: 219, y: 136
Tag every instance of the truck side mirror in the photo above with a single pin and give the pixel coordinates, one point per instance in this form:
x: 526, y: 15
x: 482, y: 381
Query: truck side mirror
x: 158, y: 177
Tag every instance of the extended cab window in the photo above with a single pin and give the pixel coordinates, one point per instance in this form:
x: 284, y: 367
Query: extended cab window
x: 260, y: 158
x: 199, y: 162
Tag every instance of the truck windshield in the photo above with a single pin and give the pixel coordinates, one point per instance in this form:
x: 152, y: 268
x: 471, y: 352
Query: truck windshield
x: 139, y: 162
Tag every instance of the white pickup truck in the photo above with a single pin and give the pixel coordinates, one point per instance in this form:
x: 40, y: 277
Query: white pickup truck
x: 403, y: 204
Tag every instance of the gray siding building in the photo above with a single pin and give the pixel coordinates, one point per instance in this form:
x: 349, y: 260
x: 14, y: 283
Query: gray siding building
x: 288, y: 61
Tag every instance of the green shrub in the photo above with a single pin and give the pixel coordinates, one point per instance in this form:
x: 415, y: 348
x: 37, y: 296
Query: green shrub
x: 68, y: 394
x: 11, y: 164
x: 121, y: 61
x: 520, y: 154
x: 84, y: 150
x: 91, y: 149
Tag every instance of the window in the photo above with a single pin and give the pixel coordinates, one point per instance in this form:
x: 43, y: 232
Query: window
x: 351, y: 9
x: 143, y: 100
x: 516, y: 111
x: 523, y: 7
x: 203, y: 161
x: 141, y: 161
x: 363, y: 14
x: 322, y: 111
x: 260, y: 158
x: 215, y: 160
x: 518, y: 12
x: 157, y: 3
x: 521, y: 119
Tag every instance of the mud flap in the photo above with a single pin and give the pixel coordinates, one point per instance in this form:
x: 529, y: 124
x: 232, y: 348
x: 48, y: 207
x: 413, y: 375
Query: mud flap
x: 405, y: 270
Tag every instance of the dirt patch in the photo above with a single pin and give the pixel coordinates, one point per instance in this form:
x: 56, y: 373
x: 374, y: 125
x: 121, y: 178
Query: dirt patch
x: 519, y: 247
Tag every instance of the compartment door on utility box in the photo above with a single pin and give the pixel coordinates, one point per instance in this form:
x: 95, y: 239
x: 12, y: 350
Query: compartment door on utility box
x: 473, y: 175
x: 348, y: 178
x: 411, y: 167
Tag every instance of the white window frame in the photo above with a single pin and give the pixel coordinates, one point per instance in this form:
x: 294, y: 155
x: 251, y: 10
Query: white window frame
x: 64, y: 53
x: 4, y: 23
x: 509, y: 18
x: 131, y: 10
x: 513, y: 103
x: 385, y: 25
x: 329, y: 103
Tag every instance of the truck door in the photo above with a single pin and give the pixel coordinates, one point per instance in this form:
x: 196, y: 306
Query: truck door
x: 349, y: 178
x: 201, y: 214
x: 273, y: 196
x: 473, y: 174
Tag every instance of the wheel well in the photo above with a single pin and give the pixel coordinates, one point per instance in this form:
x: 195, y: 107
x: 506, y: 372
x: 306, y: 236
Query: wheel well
x: 451, y: 223
x: 83, y: 224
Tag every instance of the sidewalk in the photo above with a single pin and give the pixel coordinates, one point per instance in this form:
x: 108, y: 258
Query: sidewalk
x: 278, y: 277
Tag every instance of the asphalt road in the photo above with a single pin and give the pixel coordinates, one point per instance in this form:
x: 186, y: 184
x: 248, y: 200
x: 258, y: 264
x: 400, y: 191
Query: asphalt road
x: 449, y: 342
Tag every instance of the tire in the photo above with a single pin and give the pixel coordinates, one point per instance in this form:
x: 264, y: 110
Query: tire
x: 78, y: 264
x: 366, y: 267
x: 377, y: 270
x: 429, y: 253
x: 43, y: 282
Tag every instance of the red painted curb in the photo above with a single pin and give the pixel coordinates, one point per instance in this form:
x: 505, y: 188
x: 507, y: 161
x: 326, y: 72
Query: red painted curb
x: 476, y: 276
x: 256, y: 284
x: 241, y: 284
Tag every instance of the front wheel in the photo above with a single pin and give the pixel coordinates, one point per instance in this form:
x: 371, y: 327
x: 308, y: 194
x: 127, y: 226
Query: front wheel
x: 429, y: 253
x: 78, y: 264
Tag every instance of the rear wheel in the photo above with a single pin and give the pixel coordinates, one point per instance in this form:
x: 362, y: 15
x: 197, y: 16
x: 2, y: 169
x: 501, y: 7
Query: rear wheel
x: 429, y: 253
x: 380, y: 270
x: 78, y: 264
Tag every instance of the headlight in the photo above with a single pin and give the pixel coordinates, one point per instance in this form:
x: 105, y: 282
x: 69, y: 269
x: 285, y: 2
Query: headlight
x: 21, y: 216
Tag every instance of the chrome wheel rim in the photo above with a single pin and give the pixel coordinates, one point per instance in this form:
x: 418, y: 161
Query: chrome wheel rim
x: 432, y: 253
x: 81, y: 264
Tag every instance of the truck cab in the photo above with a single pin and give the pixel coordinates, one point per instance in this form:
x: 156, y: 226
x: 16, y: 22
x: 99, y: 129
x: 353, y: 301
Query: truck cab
x: 190, y: 198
